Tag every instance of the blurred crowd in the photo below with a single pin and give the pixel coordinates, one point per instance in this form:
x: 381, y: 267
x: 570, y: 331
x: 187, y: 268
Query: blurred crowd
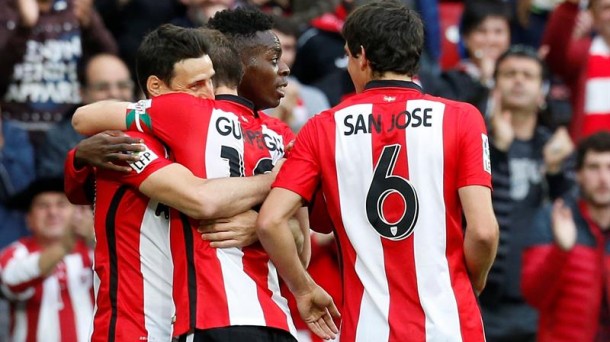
x: 537, y: 70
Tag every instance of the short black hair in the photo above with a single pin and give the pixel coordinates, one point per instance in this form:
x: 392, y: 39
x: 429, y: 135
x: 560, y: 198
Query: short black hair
x: 598, y: 142
x: 241, y: 25
x: 391, y: 34
x: 522, y: 51
x: 164, y: 47
x: 224, y: 56
x: 476, y: 11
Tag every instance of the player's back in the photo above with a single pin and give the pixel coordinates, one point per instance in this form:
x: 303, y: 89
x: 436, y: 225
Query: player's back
x: 392, y: 160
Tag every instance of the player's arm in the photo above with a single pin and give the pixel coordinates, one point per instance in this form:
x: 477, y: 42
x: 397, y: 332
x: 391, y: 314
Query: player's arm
x: 100, y: 116
x: 482, y: 233
x: 299, y: 226
x: 315, y: 305
x: 177, y: 187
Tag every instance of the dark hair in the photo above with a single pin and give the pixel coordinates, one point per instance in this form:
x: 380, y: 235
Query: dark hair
x: 285, y: 26
x: 522, y: 51
x: 224, y: 56
x: 241, y: 25
x: 391, y: 34
x: 598, y: 142
x: 164, y: 47
x: 475, y: 12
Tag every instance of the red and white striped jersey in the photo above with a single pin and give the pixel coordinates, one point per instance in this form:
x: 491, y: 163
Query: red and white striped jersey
x: 133, y: 266
x: 390, y: 162
x: 57, y: 307
x: 229, y: 286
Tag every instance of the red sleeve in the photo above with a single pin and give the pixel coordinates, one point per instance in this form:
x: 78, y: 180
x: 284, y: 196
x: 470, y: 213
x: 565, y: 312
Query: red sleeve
x: 474, y: 164
x: 75, y: 180
x: 566, y: 56
x: 152, y: 159
x: 172, y: 118
x: 19, y: 269
x: 301, y: 172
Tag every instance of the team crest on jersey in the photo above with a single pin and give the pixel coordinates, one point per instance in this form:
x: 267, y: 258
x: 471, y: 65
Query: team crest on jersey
x: 146, y: 157
x: 486, y: 159
x: 137, y: 117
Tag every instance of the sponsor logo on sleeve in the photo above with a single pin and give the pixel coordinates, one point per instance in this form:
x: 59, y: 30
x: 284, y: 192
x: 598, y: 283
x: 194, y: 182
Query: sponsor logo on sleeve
x: 146, y: 158
x: 486, y: 159
x: 137, y: 116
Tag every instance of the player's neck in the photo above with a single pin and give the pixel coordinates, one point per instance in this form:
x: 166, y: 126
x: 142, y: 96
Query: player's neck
x: 224, y: 90
x: 391, y: 76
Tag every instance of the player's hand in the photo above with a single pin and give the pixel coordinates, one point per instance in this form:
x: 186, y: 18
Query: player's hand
x: 236, y: 231
x: 107, y: 150
x: 557, y: 149
x: 317, y: 310
x: 564, y: 228
x: 277, y: 167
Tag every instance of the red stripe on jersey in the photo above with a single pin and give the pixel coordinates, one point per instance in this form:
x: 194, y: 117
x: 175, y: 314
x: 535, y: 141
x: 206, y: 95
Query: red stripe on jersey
x: 66, y: 315
x: 212, y: 304
x: 471, y: 326
x: 406, y: 316
x: 598, y: 66
x: 255, y: 262
x: 33, y: 314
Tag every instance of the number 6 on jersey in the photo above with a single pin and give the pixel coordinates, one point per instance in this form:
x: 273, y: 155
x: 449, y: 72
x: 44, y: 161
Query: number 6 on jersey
x: 383, y: 185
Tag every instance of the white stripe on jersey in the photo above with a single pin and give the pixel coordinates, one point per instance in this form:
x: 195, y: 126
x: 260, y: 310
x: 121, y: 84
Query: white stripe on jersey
x: 21, y: 323
x: 48, y: 317
x: 425, y: 158
x: 96, y: 290
x: 597, y: 100
x: 79, y: 284
x: 242, y: 295
x: 216, y: 141
x: 157, y: 272
x: 273, y: 285
x: 354, y: 160
x: 277, y: 139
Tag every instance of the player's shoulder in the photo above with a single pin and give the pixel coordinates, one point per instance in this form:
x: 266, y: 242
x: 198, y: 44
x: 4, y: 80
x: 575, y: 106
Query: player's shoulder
x: 181, y: 99
x: 459, y: 107
x: 272, y: 122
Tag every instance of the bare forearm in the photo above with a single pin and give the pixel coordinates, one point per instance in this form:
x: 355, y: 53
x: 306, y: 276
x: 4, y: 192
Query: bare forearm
x: 100, y: 116
x: 480, y: 252
x: 278, y: 241
x: 231, y: 196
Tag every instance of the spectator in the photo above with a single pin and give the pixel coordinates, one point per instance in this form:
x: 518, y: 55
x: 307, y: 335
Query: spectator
x: 47, y: 277
x: 43, y: 42
x: 130, y: 20
x: 199, y: 11
x: 523, y: 154
x: 300, y: 101
x: 104, y: 77
x: 565, y: 266
x: 298, y: 12
x: 582, y: 61
x: 16, y: 173
x: 485, y: 34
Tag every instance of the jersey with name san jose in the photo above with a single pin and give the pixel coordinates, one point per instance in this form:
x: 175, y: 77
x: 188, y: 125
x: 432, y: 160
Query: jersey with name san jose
x: 218, y: 287
x: 390, y: 162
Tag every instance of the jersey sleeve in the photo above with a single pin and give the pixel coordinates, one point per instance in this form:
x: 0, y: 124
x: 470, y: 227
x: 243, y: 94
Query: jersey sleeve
x: 474, y: 164
x: 171, y: 117
x: 301, y: 171
x: 19, y: 271
x: 152, y: 159
x: 78, y: 183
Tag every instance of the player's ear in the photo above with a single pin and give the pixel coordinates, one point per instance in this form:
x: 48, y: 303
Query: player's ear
x: 154, y: 85
x: 362, y: 61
